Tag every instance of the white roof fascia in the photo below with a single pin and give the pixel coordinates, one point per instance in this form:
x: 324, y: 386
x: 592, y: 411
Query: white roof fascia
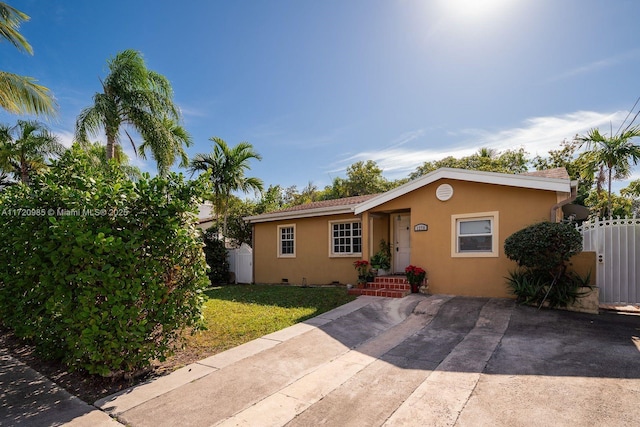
x: 302, y: 213
x: 512, y: 180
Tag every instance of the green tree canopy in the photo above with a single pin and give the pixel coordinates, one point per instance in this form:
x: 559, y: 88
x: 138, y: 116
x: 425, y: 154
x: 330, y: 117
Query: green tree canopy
x: 567, y: 157
x: 270, y: 200
x: 485, y: 159
x: 362, y: 178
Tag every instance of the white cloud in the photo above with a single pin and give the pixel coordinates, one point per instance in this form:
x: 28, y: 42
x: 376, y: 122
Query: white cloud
x: 66, y: 138
x: 597, y: 65
x: 537, y: 136
x: 190, y: 111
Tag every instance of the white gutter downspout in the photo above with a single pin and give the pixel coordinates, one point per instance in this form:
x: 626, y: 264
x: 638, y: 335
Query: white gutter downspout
x: 572, y: 197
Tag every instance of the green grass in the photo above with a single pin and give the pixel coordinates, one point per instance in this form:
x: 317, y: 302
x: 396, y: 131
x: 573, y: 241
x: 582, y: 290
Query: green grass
x: 238, y: 314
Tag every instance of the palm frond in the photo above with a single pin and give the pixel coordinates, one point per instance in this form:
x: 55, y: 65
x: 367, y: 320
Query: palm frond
x: 10, y: 20
x: 22, y: 95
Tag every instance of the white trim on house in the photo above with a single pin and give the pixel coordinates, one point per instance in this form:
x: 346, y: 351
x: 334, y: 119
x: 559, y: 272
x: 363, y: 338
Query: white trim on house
x: 522, y: 181
x: 351, y: 237
x: 493, y: 217
x: 293, y: 239
x: 302, y: 213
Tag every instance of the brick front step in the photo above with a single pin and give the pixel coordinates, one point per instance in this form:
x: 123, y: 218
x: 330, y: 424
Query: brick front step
x: 385, y: 286
x: 390, y: 293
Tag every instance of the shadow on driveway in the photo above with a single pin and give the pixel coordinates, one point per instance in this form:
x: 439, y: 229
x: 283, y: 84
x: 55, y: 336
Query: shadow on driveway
x: 437, y: 360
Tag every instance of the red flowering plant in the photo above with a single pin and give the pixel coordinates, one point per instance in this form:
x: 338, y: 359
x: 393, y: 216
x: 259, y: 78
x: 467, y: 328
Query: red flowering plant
x: 415, y: 276
x: 362, y: 265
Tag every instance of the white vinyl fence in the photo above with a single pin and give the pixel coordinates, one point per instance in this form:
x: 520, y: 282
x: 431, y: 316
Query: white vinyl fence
x: 616, y: 243
x: 241, y: 263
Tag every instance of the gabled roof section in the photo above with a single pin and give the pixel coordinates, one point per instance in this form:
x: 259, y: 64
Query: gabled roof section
x: 308, y: 210
x: 523, y: 181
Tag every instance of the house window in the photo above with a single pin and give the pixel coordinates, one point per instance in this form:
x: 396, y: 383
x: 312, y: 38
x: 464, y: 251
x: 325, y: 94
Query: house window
x: 474, y: 235
x: 286, y: 241
x: 346, y: 238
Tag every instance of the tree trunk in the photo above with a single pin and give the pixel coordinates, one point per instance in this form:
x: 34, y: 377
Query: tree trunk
x: 24, y: 172
x: 111, y: 146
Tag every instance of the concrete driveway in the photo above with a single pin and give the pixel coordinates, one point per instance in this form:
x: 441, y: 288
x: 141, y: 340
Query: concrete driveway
x: 435, y: 360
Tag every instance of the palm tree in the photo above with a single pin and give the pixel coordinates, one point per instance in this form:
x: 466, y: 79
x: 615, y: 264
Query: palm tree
x: 25, y: 148
x: 486, y: 152
x: 20, y: 94
x: 98, y: 159
x: 611, y: 155
x: 227, y: 166
x: 166, y: 152
x: 139, y: 98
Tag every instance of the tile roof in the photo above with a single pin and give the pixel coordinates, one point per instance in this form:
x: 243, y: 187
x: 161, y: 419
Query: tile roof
x: 347, y: 201
x: 559, y: 173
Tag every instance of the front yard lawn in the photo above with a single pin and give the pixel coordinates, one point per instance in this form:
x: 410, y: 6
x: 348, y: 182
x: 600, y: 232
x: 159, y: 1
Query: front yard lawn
x: 238, y: 314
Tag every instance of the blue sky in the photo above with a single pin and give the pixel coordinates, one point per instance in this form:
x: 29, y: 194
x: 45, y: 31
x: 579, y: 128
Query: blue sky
x: 318, y: 85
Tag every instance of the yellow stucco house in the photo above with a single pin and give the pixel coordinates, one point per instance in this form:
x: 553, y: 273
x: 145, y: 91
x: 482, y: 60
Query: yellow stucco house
x: 451, y: 222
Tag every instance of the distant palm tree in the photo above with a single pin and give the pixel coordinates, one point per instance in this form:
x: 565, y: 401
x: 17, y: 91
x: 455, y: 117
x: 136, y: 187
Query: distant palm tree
x: 97, y: 157
x: 133, y: 96
x: 20, y: 94
x: 227, y: 166
x: 611, y: 155
x: 25, y: 148
x: 486, y: 152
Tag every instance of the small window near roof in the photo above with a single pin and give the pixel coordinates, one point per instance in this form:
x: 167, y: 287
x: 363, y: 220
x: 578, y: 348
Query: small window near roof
x: 474, y: 235
x: 286, y: 241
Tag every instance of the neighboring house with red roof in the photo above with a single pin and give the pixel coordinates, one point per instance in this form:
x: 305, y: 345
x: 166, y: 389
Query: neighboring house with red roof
x: 451, y: 222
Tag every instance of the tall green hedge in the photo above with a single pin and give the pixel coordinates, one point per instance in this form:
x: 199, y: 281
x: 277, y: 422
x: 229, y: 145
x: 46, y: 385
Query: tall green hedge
x: 101, y: 272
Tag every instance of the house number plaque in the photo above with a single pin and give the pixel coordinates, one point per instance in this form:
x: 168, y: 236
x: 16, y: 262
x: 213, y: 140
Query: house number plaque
x: 420, y: 227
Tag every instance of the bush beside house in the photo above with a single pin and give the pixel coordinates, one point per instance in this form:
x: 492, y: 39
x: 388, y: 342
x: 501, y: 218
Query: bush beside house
x: 100, y: 272
x: 542, y: 252
x: 216, y: 255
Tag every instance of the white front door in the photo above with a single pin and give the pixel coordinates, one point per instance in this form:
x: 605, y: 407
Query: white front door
x: 402, y: 238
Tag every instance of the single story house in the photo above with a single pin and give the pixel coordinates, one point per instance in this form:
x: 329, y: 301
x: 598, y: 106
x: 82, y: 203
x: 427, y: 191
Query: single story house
x: 451, y: 222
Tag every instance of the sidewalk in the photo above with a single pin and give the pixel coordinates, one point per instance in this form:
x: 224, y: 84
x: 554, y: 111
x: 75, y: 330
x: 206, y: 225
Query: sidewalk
x: 29, y: 399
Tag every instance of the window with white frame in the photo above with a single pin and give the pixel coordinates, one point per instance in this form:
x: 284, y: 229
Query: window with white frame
x: 287, y: 241
x: 474, y: 235
x: 346, y: 238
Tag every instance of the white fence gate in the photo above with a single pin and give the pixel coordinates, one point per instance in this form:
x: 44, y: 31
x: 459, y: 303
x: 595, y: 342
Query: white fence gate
x: 616, y: 243
x: 241, y: 263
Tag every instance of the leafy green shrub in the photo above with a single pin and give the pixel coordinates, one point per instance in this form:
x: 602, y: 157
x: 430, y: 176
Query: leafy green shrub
x: 382, y: 258
x: 546, y: 245
x: 98, y: 271
x: 216, y: 255
x: 542, y: 250
x: 533, y: 287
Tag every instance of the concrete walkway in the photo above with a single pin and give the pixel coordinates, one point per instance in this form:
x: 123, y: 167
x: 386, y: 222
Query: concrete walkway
x: 439, y: 360
x: 29, y: 399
